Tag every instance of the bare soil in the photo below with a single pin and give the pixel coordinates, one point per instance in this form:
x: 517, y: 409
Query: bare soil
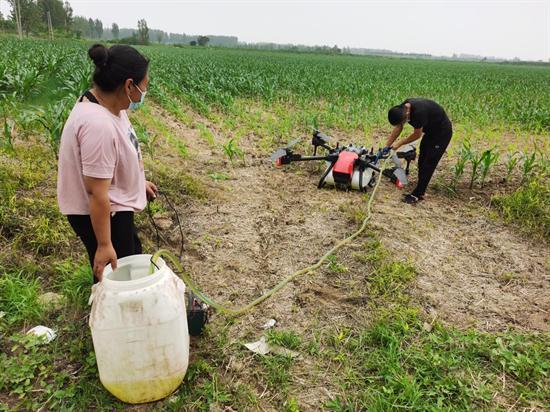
x: 264, y: 223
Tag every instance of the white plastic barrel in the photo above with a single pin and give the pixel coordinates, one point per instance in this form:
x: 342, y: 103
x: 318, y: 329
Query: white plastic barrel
x: 139, y: 330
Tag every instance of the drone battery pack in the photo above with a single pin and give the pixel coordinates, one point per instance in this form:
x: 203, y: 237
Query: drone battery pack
x: 343, y: 168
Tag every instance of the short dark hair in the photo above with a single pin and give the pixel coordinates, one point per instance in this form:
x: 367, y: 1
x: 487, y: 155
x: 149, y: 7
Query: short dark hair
x: 397, y: 114
x: 114, y: 65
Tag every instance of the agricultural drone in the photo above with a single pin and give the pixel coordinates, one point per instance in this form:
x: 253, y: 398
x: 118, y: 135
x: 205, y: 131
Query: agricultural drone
x: 350, y: 167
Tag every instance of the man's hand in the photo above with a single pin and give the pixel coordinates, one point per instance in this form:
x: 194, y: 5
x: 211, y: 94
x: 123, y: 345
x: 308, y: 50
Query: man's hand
x: 103, y: 256
x: 151, y: 190
x: 386, y: 150
x: 396, y: 146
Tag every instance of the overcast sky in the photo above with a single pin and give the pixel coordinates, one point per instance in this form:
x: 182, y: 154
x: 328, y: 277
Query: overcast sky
x: 491, y: 28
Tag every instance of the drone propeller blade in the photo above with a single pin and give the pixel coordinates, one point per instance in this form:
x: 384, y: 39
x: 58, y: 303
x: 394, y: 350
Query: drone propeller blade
x: 293, y: 143
x: 279, y: 153
x: 401, y: 177
x: 399, y: 173
x: 323, y: 136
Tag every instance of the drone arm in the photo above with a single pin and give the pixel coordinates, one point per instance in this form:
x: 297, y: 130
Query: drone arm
x: 300, y: 158
x: 322, y: 180
x: 377, y: 169
x: 289, y: 158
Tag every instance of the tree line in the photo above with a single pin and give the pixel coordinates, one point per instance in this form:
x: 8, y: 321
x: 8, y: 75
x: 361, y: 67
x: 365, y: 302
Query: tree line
x: 34, y: 21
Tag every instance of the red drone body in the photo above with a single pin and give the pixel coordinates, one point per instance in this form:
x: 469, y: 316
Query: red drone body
x: 344, y: 166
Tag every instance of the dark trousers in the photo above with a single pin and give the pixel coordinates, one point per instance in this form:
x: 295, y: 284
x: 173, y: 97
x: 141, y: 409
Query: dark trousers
x: 123, y: 234
x: 432, y: 148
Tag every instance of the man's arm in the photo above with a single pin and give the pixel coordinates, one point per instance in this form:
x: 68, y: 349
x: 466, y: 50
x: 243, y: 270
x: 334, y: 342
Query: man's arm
x: 417, y: 134
x: 394, y: 134
x: 100, y: 210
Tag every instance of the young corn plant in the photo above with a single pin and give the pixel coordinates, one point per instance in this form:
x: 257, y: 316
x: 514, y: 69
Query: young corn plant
x: 528, y: 165
x: 511, y: 164
x: 52, y: 118
x: 475, y: 159
x: 7, y: 131
x: 148, y: 141
x: 488, y: 159
x: 463, y: 157
x: 232, y: 150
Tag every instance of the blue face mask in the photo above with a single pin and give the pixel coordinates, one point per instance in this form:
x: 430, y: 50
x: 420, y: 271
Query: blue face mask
x: 135, y: 105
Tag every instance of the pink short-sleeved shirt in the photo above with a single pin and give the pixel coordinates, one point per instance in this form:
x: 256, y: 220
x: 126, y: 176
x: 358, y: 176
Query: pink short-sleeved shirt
x: 96, y: 143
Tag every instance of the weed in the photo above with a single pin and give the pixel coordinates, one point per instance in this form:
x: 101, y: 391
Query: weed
x: 335, y: 266
x: 277, y: 368
x: 287, y: 339
x: 207, y: 135
x: 219, y: 176
x: 528, y: 207
x: 19, y: 298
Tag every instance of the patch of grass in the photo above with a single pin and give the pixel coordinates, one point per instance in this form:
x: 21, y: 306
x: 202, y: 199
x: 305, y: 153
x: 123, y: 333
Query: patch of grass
x: 75, y: 282
x: 207, y: 135
x: 528, y: 207
x: 42, y: 227
x: 390, y: 279
x: 29, y: 216
x: 355, y: 213
x: 173, y: 181
x: 219, y: 176
x: 19, y: 298
x: 287, y: 339
x: 61, y: 375
x: 182, y: 149
x: 396, y: 363
x: 276, y: 371
x: 335, y: 266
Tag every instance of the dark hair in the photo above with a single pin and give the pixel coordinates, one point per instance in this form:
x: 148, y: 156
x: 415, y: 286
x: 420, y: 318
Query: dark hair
x: 397, y: 114
x: 117, y: 64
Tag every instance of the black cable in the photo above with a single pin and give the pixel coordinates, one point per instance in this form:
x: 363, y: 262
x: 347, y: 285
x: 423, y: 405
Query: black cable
x: 177, y: 219
x: 155, y: 226
x: 150, y: 214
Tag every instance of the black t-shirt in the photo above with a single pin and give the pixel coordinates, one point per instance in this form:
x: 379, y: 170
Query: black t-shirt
x: 427, y: 114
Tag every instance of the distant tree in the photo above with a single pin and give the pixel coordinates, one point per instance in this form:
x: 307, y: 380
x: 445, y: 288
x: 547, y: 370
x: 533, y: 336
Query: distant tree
x: 68, y: 14
x: 193, y: 43
x: 91, y: 28
x: 30, y: 15
x: 203, y: 40
x: 143, y: 32
x: 115, y: 30
x: 80, y: 24
x: 160, y: 36
x: 98, y: 27
x: 56, y: 10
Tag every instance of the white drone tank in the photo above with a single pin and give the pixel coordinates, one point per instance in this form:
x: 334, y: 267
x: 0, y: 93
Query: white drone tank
x: 139, y: 330
x: 368, y: 174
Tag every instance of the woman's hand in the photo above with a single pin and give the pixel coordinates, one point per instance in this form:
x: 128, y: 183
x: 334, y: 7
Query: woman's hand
x: 151, y: 190
x: 103, y: 256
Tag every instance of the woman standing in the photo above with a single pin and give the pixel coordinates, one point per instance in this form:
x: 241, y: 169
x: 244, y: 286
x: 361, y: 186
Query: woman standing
x: 101, y: 179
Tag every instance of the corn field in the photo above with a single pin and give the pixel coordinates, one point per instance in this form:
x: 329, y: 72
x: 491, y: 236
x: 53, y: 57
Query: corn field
x: 39, y: 82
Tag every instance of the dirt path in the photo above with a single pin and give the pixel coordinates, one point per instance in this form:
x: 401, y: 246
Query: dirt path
x: 263, y: 223
x: 473, y: 271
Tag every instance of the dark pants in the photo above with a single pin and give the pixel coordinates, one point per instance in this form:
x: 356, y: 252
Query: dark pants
x: 123, y: 234
x: 432, y: 148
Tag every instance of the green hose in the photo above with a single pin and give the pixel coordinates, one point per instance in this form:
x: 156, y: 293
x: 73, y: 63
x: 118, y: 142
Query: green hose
x: 239, y: 311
